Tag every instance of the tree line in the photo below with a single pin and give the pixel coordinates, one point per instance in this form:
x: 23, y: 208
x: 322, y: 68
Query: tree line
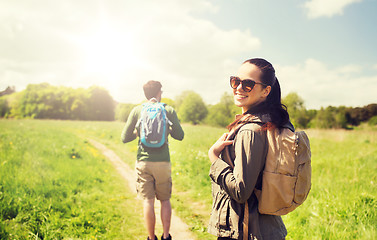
x: 43, y: 101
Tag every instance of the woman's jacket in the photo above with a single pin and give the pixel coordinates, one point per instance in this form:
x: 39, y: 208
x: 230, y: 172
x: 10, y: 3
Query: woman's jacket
x: 232, y: 188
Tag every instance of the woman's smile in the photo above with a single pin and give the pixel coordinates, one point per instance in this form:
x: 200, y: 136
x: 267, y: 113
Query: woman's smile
x: 239, y: 96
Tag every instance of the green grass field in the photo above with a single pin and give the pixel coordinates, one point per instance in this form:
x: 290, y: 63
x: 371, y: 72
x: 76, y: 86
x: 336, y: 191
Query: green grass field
x: 54, y: 185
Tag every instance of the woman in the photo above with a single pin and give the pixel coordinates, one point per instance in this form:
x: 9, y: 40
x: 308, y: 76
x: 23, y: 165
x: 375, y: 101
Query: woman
x: 257, y: 92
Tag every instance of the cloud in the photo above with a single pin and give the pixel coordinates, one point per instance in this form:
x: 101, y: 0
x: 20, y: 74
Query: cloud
x: 326, y: 8
x: 321, y: 86
x: 169, y: 43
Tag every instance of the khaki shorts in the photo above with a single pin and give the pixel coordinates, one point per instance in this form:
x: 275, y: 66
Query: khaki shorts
x: 153, y: 180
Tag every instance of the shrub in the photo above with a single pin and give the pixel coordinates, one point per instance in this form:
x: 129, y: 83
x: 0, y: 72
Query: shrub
x: 372, y: 121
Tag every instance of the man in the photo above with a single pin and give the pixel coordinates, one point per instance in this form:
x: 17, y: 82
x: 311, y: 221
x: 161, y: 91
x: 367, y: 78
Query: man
x: 153, y: 164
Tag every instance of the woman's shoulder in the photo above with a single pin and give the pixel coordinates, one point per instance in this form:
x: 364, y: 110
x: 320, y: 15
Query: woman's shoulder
x: 251, y: 126
x: 255, y: 123
x: 252, y: 134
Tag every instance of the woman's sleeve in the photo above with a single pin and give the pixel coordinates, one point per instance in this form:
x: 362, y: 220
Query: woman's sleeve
x: 250, y: 150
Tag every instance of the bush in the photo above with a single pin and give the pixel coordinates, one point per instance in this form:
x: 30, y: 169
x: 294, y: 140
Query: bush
x: 192, y: 109
x: 330, y: 117
x: 4, y: 108
x: 223, y: 113
x: 122, y: 111
x: 372, y: 121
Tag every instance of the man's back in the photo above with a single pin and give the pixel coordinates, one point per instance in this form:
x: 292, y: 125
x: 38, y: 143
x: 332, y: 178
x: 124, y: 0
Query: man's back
x: 146, y: 153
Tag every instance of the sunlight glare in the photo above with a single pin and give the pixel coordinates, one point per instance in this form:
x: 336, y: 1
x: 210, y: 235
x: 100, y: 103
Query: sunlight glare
x: 108, y: 52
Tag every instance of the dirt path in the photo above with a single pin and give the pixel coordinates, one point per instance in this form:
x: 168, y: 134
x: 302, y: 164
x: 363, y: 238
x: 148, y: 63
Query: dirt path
x: 179, y: 229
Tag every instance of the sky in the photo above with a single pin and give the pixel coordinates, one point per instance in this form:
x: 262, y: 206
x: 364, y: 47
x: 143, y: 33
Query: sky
x: 323, y: 50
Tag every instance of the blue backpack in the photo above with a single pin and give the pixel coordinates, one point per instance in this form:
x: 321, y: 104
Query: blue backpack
x: 153, y: 125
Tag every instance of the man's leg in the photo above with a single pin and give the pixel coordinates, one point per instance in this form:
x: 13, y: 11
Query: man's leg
x: 149, y: 217
x: 166, y: 217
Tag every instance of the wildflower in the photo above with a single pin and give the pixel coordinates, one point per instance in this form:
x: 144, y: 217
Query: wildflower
x: 10, y: 143
x: 73, y: 156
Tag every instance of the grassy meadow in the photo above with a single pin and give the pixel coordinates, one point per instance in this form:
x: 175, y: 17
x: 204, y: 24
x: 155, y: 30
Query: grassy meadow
x: 54, y: 185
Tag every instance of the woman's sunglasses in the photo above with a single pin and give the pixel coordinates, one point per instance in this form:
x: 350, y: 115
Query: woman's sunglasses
x: 247, y: 84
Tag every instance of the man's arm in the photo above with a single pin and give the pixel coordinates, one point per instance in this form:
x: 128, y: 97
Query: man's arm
x: 176, y: 128
x: 128, y: 133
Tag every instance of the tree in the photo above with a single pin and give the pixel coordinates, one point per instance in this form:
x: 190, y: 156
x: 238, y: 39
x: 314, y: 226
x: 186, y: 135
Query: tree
x: 4, y: 107
x: 294, y: 102
x: 9, y: 90
x: 169, y: 102
x: 44, y: 101
x: 78, y: 107
x: 330, y: 117
x: 372, y: 121
x: 356, y: 115
x: 372, y: 110
x: 222, y: 113
x: 297, y: 111
x: 192, y: 109
x: 180, y: 99
x: 100, y: 104
x: 122, y: 111
x: 34, y: 101
x: 14, y: 105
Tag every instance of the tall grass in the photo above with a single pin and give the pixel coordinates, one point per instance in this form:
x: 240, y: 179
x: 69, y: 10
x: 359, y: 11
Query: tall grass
x: 343, y: 200
x: 54, y: 185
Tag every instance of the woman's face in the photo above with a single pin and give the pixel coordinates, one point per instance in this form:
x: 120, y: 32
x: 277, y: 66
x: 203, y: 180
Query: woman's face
x: 258, y: 94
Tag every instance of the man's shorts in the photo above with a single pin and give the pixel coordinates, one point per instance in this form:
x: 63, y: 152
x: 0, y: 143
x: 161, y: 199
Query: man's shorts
x: 153, y: 180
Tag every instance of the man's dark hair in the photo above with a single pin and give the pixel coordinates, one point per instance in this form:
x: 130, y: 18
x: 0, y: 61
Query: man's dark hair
x: 151, y: 89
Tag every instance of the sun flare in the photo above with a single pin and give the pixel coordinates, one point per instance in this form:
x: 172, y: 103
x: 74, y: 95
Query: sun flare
x: 108, y: 52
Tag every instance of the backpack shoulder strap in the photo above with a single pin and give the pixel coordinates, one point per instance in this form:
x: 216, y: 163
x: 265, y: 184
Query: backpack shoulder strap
x: 162, y: 105
x: 143, y: 106
x: 232, y: 134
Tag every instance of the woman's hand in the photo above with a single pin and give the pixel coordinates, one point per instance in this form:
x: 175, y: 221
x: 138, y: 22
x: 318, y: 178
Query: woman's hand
x: 220, y: 144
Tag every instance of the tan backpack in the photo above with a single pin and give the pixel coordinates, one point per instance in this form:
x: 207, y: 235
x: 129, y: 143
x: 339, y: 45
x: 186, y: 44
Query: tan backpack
x: 287, y: 173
